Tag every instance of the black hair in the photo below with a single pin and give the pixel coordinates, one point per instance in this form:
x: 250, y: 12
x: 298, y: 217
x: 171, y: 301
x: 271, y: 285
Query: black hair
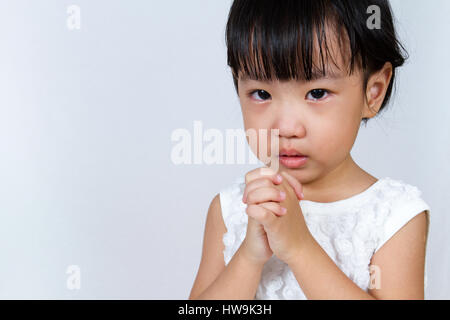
x: 274, y: 39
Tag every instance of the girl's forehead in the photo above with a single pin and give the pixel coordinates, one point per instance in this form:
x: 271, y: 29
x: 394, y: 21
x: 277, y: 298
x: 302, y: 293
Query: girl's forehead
x: 334, y: 65
x: 328, y: 59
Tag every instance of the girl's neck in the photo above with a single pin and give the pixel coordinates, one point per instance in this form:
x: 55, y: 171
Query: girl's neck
x: 345, y: 181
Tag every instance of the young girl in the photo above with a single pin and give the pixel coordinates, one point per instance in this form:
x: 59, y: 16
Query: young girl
x: 320, y: 227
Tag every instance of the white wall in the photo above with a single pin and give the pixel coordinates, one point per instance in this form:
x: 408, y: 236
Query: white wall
x: 86, y: 118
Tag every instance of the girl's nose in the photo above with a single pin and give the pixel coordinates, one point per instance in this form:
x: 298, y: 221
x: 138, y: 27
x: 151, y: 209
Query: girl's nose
x: 290, y: 121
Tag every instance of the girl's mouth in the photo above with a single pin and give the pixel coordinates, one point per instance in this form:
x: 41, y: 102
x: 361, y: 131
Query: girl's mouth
x: 293, y: 161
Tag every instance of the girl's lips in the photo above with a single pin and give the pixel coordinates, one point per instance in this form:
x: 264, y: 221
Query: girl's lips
x: 293, y: 161
x: 290, y: 152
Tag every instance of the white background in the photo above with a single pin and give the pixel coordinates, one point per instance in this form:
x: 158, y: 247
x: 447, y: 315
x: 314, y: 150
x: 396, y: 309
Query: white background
x: 86, y: 118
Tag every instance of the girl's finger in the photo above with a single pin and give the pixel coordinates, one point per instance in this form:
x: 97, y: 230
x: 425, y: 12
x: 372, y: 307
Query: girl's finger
x: 275, y: 207
x: 254, y: 184
x: 295, y: 184
x: 265, y: 194
x: 263, y: 173
x: 262, y: 215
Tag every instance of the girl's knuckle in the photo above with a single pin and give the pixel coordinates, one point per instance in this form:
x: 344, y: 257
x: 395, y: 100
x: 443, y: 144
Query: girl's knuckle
x: 278, y: 209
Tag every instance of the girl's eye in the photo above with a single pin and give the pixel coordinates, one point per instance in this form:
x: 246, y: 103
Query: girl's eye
x: 261, y: 93
x: 317, y: 94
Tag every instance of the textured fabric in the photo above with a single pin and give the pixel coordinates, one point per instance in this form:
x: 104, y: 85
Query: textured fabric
x: 349, y: 230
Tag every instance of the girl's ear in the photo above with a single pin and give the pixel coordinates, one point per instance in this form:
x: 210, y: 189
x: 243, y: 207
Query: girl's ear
x: 377, y: 86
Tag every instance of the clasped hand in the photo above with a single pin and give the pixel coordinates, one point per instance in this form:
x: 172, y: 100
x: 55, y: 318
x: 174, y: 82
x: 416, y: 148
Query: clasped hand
x: 273, y: 200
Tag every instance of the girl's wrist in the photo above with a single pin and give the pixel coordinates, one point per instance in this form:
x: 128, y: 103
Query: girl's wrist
x: 256, y: 263
x: 302, y: 251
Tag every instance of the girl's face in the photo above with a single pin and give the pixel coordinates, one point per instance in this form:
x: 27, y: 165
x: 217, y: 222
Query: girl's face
x: 318, y: 118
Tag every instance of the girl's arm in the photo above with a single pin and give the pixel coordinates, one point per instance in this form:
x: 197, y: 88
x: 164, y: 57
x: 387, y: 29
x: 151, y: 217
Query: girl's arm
x: 238, y: 280
x: 400, y: 263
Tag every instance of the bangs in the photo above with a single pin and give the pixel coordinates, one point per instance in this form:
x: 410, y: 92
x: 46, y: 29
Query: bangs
x: 294, y: 41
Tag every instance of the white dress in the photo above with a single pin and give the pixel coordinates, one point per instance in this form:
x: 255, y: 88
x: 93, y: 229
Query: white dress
x: 349, y: 230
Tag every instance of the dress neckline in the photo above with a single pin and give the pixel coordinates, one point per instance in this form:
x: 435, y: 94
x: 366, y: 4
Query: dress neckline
x: 334, y: 206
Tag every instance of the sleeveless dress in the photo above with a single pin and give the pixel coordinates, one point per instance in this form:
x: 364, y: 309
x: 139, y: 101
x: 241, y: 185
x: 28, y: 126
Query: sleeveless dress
x: 349, y: 230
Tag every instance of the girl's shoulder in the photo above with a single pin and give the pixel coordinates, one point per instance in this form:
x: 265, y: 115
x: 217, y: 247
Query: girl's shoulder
x: 403, y: 199
x: 395, y: 187
x: 398, y: 203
